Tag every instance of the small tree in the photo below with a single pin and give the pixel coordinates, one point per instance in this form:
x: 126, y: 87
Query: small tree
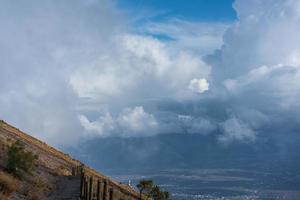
x: 158, y: 194
x: 20, y: 161
x: 145, y: 187
x: 166, y: 195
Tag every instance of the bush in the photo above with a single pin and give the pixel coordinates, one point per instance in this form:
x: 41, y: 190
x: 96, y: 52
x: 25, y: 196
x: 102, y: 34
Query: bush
x: 19, y: 160
x: 158, y: 194
x: 149, y: 189
x: 8, y: 184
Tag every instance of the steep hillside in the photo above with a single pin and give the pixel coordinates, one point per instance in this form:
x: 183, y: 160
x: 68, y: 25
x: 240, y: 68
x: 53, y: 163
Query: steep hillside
x: 51, y: 170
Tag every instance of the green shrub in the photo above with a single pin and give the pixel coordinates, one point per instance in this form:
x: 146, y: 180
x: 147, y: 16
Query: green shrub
x: 20, y: 161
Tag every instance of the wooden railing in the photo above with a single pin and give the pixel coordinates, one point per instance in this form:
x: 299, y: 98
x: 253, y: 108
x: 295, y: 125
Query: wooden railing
x: 99, y: 188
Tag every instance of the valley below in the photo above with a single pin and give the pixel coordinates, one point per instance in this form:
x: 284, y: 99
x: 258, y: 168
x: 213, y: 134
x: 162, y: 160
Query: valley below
x: 215, y: 184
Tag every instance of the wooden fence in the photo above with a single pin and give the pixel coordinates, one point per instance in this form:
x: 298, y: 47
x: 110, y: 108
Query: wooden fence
x: 98, y: 188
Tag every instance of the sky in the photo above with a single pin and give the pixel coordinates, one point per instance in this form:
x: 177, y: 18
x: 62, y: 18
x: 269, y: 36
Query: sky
x: 201, y: 10
x: 74, y: 71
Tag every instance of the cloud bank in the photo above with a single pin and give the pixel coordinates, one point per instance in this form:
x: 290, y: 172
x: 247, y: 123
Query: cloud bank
x: 76, y: 70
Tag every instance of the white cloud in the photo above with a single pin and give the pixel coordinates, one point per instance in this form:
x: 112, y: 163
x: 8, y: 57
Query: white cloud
x: 101, y: 127
x: 257, y: 68
x: 139, y: 67
x: 277, y: 84
x: 266, y: 33
x: 130, y: 122
x: 199, y: 85
x: 61, y: 60
x: 236, y: 130
x: 41, y: 44
x: 136, y: 122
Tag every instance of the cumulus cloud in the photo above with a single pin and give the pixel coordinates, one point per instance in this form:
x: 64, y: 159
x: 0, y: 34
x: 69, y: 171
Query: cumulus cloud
x: 264, y: 34
x: 130, y: 122
x: 257, y: 66
x: 139, y: 68
x: 136, y: 121
x: 275, y: 68
x: 60, y: 61
x: 102, y: 126
x: 199, y: 85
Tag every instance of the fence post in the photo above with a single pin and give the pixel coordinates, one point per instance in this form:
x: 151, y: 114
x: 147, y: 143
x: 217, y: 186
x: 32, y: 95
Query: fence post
x: 82, y: 186
x: 98, y: 189
x: 111, y: 194
x: 104, y: 189
x: 73, y: 171
x: 79, y: 170
x: 91, y: 188
x: 86, y: 195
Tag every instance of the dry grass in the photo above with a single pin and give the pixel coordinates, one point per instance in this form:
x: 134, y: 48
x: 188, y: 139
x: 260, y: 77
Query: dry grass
x: 4, y: 196
x: 36, y: 189
x: 33, y: 194
x: 8, y: 184
x: 41, y: 185
x: 62, y: 171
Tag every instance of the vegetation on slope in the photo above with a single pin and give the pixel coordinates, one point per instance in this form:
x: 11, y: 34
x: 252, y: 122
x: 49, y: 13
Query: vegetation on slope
x: 19, y: 180
x: 20, y: 161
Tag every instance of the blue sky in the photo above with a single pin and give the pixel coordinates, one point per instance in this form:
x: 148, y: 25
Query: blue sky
x: 196, y: 10
x: 178, y: 21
